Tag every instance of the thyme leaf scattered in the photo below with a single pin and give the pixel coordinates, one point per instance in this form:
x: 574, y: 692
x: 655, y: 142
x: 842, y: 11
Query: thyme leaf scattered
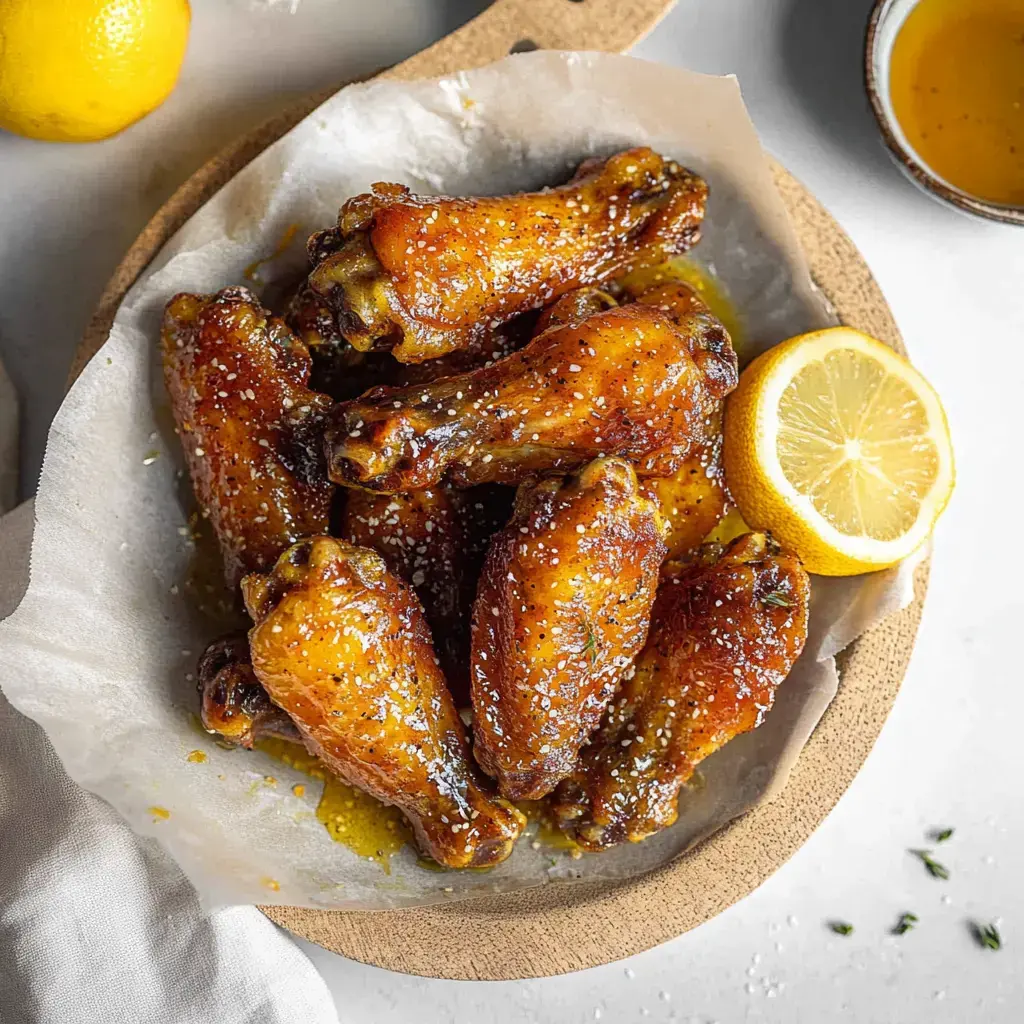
x: 935, y: 869
x: 940, y: 835
x: 841, y: 927
x: 905, y: 923
x: 778, y: 599
x: 987, y: 935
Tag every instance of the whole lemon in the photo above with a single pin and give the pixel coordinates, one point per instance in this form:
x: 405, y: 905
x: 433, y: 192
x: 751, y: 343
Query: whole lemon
x: 81, y: 70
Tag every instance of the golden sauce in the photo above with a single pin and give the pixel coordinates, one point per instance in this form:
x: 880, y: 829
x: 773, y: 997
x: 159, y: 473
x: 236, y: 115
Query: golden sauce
x: 702, y: 281
x: 252, y: 272
x: 956, y: 81
x: 547, y: 834
x: 353, y: 818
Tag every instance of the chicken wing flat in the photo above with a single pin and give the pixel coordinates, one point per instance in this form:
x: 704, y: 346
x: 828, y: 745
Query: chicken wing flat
x: 250, y: 427
x: 423, y: 538
x: 561, y: 611
x: 427, y: 275
x: 626, y: 381
x: 693, y: 500
x: 723, y: 637
x: 233, y: 703
x: 342, y: 645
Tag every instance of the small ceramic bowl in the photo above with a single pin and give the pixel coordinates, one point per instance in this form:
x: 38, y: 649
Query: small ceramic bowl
x: 887, y: 17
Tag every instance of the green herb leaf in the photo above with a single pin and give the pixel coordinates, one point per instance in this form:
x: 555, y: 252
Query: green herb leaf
x: 777, y: 598
x: 940, y: 835
x: 987, y: 936
x: 590, y: 647
x: 935, y: 869
x: 841, y: 927
x: 905, y: 923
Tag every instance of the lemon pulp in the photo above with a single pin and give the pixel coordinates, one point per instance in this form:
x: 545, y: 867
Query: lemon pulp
x: 856, y: 441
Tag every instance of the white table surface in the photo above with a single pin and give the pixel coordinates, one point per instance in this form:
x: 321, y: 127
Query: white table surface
x: 951, y: 751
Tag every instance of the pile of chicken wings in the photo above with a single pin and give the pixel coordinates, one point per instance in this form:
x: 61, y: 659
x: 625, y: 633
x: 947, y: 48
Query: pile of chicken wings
x: 471, y: 467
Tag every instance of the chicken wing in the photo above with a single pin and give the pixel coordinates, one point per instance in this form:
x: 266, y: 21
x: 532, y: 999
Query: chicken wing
x: 694, y: 498
x: 426, y: 275
x: 338, y: 369
x: 562, y: 609
x: 422, y: 536
x: 250, y: 428
x: 343, y: 647
x: 233, y: 703
x: 626, y: 381
x: 723, y: 637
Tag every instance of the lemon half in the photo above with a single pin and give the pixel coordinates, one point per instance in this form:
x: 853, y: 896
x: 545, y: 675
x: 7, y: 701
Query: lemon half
x: 838, y: 447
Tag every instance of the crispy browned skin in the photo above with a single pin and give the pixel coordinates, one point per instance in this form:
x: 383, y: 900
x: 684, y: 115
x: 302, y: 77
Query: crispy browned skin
x: 342, y: 645
x: 694, y: 498
x: 423, y: 536
x: 626, y: 381
x: 233, y: 703
x: 427, y: 275
x: 250, y: 427
x: 338, y: 370
x: 722, y: 638
x: 561, y: 611
x: 574, y: 307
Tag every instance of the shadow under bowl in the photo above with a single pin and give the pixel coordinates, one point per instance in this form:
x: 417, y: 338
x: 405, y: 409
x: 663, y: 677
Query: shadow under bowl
x: 886, y: 20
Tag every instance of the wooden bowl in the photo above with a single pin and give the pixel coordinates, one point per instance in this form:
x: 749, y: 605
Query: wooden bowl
x: 560, y: 928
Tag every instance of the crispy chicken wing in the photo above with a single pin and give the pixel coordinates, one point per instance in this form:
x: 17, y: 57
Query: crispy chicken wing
x: 233, y: 703
x: 562, y: 609
x: 338, y: 370
x: 693, y: 499
x: 723, y: 637
x: 626, y: 381
x: 423, y: 538
x: 427, y: 275
x: 342, y: 645
x: 250, y: 427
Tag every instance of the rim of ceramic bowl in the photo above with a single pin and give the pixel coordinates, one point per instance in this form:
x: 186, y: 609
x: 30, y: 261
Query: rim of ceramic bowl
x: 901, y: 150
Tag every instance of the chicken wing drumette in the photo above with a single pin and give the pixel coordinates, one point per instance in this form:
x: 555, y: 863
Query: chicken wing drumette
x: 249, y: 425
x: 723, y: 636
x: 562, y: 608
x: 338, y: 369
x: 625, y: 381
x: 233, y: 703
x: 342, y: 645
x: 426, y: 275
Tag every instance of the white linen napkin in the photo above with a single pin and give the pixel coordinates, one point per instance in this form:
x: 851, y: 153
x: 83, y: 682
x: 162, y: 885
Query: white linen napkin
x: 98, y: 925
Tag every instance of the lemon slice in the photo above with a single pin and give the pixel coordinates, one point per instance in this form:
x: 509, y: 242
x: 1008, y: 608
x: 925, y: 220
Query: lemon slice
x: 840, y: 449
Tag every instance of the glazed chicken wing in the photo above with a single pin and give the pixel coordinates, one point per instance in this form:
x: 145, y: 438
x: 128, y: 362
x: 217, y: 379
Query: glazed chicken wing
x: 423, y: 538
x: 233, y: 703
x: 250, y: 427
x: 562, y: 609
x: 426, y: 275
x: 342, y: 645
x: 723, y: 636
x: 626, y: 381
x: 338, y: 369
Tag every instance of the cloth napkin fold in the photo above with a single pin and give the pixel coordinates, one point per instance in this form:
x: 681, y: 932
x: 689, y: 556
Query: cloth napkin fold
x: 98, y: 925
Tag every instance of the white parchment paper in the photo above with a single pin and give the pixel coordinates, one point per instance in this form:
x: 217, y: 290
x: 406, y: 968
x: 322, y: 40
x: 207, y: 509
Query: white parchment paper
x: 100, y: 650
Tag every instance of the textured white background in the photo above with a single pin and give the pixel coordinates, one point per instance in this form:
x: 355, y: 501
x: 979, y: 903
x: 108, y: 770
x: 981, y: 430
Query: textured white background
x: 951, y: 751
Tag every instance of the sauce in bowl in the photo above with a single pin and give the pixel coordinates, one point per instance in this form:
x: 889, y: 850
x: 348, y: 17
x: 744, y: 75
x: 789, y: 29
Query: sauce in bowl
x: 956, y: 84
